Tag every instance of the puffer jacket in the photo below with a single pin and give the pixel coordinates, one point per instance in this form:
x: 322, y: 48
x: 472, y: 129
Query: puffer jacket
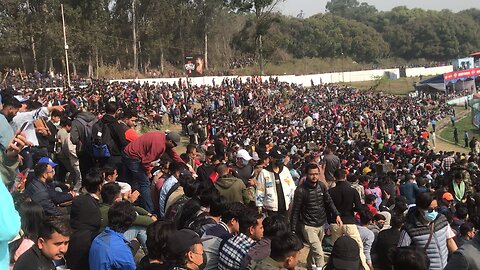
x: 416, y: 234
x: 311, y: 204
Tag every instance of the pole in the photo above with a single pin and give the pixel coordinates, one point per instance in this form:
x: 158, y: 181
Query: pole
x: 343, y: 72
x: 134, y: 33
x: 66, y: 47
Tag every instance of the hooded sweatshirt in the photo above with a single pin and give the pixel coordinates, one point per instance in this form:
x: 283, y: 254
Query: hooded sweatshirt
x: 232, y: 188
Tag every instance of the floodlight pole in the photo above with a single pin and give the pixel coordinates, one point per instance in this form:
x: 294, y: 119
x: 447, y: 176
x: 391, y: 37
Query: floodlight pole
x: 65, y: 47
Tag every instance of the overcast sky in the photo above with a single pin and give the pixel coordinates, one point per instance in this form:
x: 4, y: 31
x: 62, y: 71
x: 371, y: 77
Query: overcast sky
x: 311, y: 7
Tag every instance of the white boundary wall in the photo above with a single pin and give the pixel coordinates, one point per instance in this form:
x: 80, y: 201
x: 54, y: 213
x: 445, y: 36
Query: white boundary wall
x: 337, y: 77
x: 415, y: 72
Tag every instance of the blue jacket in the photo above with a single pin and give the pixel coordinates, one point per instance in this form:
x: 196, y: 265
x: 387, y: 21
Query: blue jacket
x: 9, y: 224
x: 409, y: 190
x: 110, y: 250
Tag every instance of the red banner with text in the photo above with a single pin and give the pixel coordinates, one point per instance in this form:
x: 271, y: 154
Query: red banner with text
x: 461, y: 74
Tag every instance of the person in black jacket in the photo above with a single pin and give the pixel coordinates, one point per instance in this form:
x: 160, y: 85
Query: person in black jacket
x: 85, y: 220
x: 111, y: 132
x: 42, y: 191
x: 309, y: 213
x: 347, y: 201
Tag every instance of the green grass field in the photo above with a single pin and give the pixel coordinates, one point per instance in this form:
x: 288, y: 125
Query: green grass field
x: 462, y: 125
x: 401, y: 86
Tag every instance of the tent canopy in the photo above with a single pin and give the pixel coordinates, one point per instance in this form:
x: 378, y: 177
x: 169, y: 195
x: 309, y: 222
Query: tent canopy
x: 433, y: 84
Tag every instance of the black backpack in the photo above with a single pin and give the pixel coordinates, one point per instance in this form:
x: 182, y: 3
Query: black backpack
x: 102, y: 140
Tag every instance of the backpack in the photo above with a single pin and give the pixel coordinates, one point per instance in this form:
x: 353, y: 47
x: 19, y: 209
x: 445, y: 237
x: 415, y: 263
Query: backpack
x: 103, y: 142
x: 87, y: 127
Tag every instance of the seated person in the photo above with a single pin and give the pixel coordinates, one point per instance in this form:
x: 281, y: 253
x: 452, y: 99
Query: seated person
x: 111, y: 194
x: 110, y: 249
x: 110, y: 175
x: 52, y: 244
x: 42, y: 191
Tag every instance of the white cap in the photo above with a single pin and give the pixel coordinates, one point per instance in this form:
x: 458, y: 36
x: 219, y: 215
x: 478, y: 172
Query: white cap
x: 242, y: 153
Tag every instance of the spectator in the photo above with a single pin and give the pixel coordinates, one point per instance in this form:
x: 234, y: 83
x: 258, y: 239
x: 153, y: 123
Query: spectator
x: 9, y: 223
x: 231, y: 188
x: 11, y: 106
x: 409, y: 189
x: 413, y: 258
x: 169, y: 186
x: 110, y: 195
x: 424, y: 223
x: 346, y: 200
x: 331, y: 163
x: 344, y: 255
x: 31, y: 217
x: 284, y: 255
x: 466, y: 257
x: 378, y: 222
x: 85, y: 221
x: 311, y: 204
x: 234, y: 250
x: 387, y: 240
x: 67, y: 156
x: 52, y: 244
x: 273, y: 226
x: 80, y: 136
x: 185, y: 251
x: 371, y: 202
x: 224, y: 230
x: 157, y: 236
x: 139, y: 155
x: 110, y: 249
x: 366, y: 235
x: 243, y: 168
x: 128, y: 122
x: 110, y: 132
x: 42, y: 191
x: 275, y: 187
x: 466, y: 234
x: 353, y: 179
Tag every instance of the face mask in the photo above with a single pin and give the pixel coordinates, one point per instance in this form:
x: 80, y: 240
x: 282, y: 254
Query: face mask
x: 56, y: 124
x: 430, y: 216
x: 204, y: 264
x: 244, y: 162
x: 380, y: 226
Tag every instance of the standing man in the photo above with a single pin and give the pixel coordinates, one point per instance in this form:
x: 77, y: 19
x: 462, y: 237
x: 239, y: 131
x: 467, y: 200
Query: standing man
x: 347, y: 201
x: 138, y: 156
x: 128, y: 122
x: 455, y: 135
x: 110, y: 132
x: 275, y: 188
x: 466, y: 138
x: 331, y: 163
x: 309, y: 210
x: 429, y: 230
x: 80, y: 136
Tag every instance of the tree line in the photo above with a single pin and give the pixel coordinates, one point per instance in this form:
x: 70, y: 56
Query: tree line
x: 158, y: 34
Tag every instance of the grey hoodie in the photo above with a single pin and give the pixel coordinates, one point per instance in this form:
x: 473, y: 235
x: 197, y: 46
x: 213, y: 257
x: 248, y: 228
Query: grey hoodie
x: 77, y: 134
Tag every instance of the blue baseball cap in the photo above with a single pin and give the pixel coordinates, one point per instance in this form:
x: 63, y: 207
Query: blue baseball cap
x: 48, y: 160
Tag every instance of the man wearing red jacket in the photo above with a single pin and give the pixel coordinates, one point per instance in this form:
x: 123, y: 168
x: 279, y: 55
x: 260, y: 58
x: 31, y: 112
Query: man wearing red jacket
x: 139, y: 155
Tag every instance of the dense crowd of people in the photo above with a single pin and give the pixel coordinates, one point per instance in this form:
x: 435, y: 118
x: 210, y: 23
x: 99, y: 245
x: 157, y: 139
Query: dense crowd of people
x: 269, y: 169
